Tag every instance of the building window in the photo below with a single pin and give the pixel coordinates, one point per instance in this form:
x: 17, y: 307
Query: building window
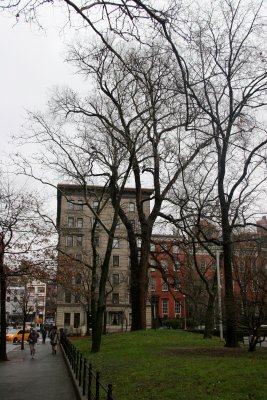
x: 139, y: 243
x: 116, y: 243
x: 80, y: 205
x: 79, y: 222
x: 115, y: 318
x: 115, y: 279
x: 40, y: 289
x: 152, y: 283
x: 164, y: 286
x: 116, y: 261
x: 165, y: 307
x: 95, y: 205
x: 69, y: 241
x: 164, y: 247
x: 176, y: 266
x: 152, y: 247
x: 96, y: 240
x: 76, y: 320
x: 70, y: 205
x: 177, y: 307
x: 78, y: 279
x: 115, y: 298
x: 67, y: 296
x: 79, y: 257
x: 203, y: 266
x: 70, y: 222
x: 66, y: 319
x: 79, y: 240
x: 132, y: 221
x: 131, y: 206
x: 164, y: 265
x: 95, y: 223
x: 8, y: 299
x: 153, y: 264
x: 175, y: 249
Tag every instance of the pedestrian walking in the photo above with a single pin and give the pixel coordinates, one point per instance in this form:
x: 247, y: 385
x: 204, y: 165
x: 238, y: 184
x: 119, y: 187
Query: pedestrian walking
x: 54, y: 339
x: 33, y: 338
x: 44, y: 333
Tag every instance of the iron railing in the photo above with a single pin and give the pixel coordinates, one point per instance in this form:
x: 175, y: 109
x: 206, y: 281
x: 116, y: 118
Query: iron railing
x: 86, y: 378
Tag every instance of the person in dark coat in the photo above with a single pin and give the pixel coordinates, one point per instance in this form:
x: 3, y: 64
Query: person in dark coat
x: 33, y: 338
x: 54, y: 339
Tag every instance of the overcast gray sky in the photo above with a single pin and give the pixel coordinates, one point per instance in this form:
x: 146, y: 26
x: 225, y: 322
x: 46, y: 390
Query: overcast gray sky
x: 32, y: 62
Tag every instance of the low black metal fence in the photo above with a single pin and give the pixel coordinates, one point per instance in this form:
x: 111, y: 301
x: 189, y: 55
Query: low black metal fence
x: 87, y: 379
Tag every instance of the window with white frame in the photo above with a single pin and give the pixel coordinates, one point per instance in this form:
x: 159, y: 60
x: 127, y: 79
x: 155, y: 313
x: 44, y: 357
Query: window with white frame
x: 175, y: 249
x: 177, y: 308
x: 165, y: 307
x: 116, y: 243
x: 139, y: 242
x: 70, y: 222
x: 152, y: 283
x: 131, y: 206
x: 95, y: 205
x: 152, y: 247
x: 164, y: 286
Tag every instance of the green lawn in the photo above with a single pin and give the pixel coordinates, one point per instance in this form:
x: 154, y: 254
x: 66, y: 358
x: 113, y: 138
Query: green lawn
x: 170, y: 365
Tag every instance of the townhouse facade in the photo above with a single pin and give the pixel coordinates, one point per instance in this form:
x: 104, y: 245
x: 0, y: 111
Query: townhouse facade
x: 30, y: 297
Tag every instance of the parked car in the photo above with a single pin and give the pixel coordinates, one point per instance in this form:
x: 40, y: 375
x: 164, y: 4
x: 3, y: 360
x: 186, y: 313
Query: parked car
x: 15, y: 335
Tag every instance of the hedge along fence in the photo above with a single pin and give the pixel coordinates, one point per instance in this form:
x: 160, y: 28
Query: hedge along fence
x: 87, y: 379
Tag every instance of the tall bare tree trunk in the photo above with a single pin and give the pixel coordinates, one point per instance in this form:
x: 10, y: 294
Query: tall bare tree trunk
x: 3, y: 355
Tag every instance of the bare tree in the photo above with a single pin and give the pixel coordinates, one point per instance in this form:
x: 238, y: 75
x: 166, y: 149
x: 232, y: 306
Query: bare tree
x: 24, y: 236
x: 249, y: 264
x: 218, y: 51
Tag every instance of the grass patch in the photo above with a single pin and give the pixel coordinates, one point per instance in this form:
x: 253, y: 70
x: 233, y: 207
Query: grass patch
x: 173, y: 364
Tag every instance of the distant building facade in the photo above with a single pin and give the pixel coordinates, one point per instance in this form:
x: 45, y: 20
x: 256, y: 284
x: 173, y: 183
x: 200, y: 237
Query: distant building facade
x: 30, y: 297
x: 75, y: 221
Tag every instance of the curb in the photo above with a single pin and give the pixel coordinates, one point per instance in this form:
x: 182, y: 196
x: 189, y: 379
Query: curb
x: 77, y: 388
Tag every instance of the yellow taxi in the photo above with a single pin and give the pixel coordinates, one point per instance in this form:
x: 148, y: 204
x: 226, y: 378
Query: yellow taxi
x: 15, y: 335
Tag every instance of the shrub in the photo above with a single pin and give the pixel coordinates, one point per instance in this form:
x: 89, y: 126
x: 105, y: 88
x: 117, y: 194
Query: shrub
x: 172, y: 323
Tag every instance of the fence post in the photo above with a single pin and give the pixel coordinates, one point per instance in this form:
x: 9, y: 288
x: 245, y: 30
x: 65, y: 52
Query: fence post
x: 97, y: 379
x: 90, y: 382
x: 77, y: 363
x: 109, y: 394
x: 84, y: 375
x: 80, y: 369
x: 74, y: 360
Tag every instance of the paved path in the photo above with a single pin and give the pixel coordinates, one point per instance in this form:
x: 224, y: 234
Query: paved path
x: 44, y: 377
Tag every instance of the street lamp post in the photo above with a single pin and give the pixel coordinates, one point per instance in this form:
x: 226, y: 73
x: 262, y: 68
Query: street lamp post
x: 185, y: 327
x: 219, y: 293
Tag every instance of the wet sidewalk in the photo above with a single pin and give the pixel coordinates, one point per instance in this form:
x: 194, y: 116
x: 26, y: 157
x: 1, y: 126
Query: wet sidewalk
x: 46, y: 376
